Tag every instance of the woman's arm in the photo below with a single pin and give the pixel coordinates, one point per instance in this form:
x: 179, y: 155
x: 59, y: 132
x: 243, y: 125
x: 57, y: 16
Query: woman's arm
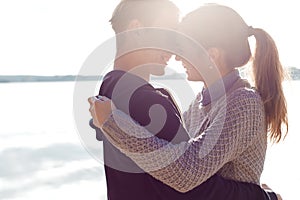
x: 186, y: 165
x: 187, y: 115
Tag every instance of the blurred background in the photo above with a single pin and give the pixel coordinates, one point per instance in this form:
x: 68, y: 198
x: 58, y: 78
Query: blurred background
x: 43, y: 45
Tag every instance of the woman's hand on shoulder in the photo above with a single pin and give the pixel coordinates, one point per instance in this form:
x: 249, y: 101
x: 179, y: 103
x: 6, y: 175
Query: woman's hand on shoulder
x: 101, y: 108
x: 267, y: 188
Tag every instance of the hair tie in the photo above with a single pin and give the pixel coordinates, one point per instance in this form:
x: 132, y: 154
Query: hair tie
x: 250, y: 31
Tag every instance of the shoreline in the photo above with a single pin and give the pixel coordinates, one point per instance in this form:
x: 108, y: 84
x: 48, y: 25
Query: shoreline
x: 68, y: 78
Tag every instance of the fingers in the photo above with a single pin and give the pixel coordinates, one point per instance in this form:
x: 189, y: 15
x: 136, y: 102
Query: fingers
x: 104, y: 98
x: 104, y: 105
x: 102, y: 101
x: 101, y: 98
x: 267, y: 188
x: 100, y: 109
x: 279, y: 197
x: 91, y: 100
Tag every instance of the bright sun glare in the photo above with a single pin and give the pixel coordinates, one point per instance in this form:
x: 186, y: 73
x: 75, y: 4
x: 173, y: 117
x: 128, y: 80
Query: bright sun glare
x: 52, y: 38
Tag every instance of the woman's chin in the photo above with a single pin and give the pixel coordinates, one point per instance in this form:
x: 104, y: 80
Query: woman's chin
x: 188, y: 76
x: 158, y: 72
x: 193, y: 78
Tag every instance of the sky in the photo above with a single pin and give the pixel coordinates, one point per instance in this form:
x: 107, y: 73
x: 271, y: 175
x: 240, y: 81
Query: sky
x: 54, y: 37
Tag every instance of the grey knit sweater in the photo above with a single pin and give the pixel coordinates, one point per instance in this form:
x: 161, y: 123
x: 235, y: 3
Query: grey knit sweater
x: 228, y: 137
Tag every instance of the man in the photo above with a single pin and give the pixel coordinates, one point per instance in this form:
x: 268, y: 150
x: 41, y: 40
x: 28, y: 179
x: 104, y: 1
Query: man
x: 127, y: 85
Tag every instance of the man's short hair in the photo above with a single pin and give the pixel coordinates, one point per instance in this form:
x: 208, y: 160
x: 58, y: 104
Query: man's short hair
x: 146, y: 11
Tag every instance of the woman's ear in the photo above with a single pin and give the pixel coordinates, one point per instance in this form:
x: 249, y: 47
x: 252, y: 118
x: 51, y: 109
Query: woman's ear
x: 217, y: 57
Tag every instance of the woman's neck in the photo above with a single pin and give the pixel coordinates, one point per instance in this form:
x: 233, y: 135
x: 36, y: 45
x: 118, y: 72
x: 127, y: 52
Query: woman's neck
x: 219, y: 75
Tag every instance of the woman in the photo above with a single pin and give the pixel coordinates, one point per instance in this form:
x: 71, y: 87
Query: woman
x: 229, y: 126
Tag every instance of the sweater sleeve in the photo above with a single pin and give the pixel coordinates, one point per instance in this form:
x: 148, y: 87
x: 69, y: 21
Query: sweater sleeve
x: 186, y: 165
x: 99, y: 134
x: 187, y: 115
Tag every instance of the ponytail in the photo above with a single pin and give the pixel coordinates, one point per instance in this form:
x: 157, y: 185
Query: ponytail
x: 268, y: 75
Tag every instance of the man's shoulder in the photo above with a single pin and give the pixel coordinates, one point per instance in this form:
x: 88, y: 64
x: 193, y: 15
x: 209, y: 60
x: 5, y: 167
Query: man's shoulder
x: 112, y: 76
x: 148, y: 93
x: 123, y: 82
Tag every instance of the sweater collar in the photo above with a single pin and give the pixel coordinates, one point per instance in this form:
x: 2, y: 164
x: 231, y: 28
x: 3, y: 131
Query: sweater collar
x: 219, y: 88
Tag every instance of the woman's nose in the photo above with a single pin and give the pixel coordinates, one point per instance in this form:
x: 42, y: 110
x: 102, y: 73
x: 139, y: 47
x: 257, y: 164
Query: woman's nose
x: 167, y: 56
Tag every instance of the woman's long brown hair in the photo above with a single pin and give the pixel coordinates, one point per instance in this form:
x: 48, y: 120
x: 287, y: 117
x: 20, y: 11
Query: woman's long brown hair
x: 222, y: 27
x: 268, y: 75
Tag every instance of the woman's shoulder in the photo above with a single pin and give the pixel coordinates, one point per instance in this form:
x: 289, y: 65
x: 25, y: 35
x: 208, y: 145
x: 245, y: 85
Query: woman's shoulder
x: 245, y: 96
x: 250, y: 92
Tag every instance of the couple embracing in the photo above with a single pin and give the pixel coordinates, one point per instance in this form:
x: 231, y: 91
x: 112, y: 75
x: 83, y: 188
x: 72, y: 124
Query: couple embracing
x: 214, y: 150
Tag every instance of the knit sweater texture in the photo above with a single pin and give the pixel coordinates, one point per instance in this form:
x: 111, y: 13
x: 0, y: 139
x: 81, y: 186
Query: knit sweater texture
x: 228, y: 138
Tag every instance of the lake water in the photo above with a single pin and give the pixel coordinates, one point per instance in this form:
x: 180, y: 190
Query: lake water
x: 42, y: 156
